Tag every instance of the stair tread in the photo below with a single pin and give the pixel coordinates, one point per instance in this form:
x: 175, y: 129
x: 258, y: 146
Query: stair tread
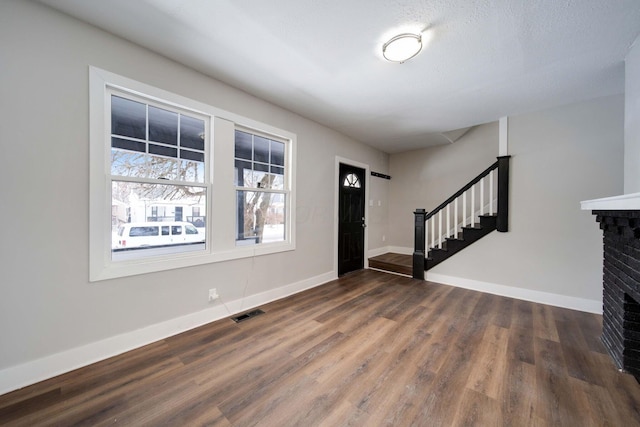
x: 452, y: 245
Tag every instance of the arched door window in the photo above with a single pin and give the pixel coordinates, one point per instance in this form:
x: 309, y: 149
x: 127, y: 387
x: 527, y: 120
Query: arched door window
x: 351, y: 181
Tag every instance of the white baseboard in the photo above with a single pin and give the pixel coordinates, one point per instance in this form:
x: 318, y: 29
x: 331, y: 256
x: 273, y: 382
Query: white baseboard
x: 378, y: 251
x: 565, y: 301
x: 387, y: 249
x: 34, y: 371
x: 400, y: 250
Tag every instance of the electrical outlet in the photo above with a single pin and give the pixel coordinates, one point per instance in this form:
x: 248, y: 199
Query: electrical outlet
x: 213, y: 294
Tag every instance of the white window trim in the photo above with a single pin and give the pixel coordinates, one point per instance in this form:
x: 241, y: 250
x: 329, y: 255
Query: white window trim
x: 221, y: 195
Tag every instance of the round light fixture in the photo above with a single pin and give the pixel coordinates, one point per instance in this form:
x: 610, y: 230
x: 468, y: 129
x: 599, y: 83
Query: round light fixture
x: 402, y: 47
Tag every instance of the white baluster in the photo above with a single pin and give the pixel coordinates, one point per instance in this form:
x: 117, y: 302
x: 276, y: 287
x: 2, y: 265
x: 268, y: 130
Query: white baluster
x: 433, y: 231
x: 440, y: 229
x: 448, y: 220
x: 482, y: 196
x: 473, y: 204
x: 426, y: 236
x: 464, y: 209
x: 491, y: 193
x: 455, y: 217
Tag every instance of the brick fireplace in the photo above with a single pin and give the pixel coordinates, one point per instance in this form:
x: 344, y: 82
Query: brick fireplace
x: 621, y: 287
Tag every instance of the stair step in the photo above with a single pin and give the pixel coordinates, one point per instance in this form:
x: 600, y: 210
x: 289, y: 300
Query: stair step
x: 393, y: 262
x: 469, y: 235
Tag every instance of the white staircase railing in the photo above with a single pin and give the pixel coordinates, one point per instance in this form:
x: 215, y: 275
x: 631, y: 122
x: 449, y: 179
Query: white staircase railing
x: 461, y: 210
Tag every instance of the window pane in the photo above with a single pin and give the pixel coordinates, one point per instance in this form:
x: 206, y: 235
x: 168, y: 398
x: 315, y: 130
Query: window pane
x: 191, y: 132
x: 160, y: 168
x: 128, y: 144
x: 243, y: 145
x: 260, y: 149
x: 125, y: 163
x: 242, y: 168
x: 128, y: 118
x: 261, y: 176
x: 163, y: 151
x: 163, y: 126
x: 133, y: 219
x: 277, y: 153
x: 278, y: 178
x: 191, y: 171
x: 192, y: 155
x: 261, y: 167
x: 260, y: 217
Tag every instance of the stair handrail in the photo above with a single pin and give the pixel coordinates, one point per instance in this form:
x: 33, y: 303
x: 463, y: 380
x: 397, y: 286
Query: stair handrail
x: 457, y: 194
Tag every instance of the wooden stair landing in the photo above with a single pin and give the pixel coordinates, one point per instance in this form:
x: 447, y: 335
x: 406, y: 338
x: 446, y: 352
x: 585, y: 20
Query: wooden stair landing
x: 395, y: 263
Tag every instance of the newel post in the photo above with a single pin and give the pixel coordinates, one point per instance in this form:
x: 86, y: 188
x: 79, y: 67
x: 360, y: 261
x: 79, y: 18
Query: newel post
x: 502, y: 222
x: 419, y: 244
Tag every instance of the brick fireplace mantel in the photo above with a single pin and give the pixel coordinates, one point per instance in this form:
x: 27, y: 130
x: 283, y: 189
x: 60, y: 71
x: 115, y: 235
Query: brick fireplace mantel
x: 619, y: 219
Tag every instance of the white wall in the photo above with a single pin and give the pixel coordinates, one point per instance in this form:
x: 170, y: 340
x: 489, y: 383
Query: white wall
x: 427, y: 177
x: 559, y: 157
x: 47, y: 304
x: 632, y: 120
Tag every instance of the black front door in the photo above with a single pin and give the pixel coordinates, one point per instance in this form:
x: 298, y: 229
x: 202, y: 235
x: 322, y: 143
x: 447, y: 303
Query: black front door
x: 351, y: 221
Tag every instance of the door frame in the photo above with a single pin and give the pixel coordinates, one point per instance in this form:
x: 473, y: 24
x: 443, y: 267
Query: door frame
x: 336, y: 203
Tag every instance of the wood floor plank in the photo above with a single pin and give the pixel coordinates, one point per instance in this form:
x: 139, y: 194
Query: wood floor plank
x: 477, y: 409
x: 346, y: 414
x: 368, y: 349
x: 395, y: 401
x: 597, y: 404
x: 502, y: 312
x: 543, y: 323
x: 556, y: 401
x: 491, y: 362
x: 519, y: 395
x: 521, y: 345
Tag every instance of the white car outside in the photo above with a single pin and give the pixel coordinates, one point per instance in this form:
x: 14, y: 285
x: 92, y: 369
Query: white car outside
x: 150, y: 234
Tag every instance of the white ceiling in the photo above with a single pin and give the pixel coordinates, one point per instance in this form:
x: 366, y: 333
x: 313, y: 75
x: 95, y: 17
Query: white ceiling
x: 322, y: 59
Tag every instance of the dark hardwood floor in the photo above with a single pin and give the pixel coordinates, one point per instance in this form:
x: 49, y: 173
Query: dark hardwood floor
x: 369, y: 349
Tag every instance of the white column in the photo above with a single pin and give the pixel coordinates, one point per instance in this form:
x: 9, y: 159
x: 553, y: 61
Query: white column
x: 503, y: 136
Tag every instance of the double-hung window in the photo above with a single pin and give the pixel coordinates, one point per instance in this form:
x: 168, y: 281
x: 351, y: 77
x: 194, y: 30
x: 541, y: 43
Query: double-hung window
x: 175, y: 182
x: 158, y: 170
x: 261, y: 188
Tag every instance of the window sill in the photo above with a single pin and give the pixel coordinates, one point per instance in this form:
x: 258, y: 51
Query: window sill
x: 113, y: 270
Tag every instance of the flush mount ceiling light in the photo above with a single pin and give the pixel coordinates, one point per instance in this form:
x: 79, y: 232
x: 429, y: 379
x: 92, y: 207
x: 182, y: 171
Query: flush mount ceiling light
x: 402, y: 47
